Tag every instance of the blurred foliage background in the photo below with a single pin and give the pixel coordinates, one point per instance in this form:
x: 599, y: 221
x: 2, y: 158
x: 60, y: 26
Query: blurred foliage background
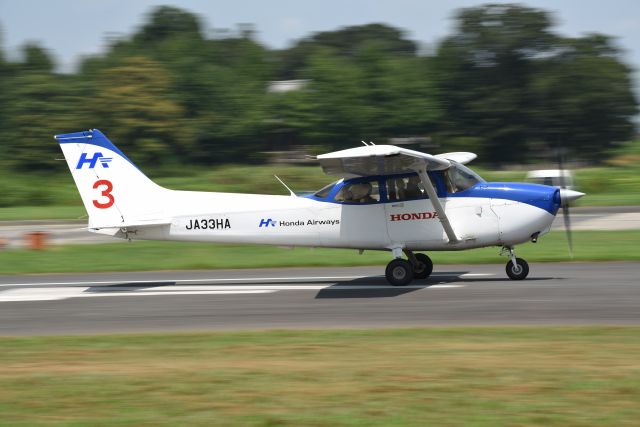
x: 503, y: 85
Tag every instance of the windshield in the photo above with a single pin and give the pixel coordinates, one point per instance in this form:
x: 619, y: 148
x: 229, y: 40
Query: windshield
x: 324, y: 191
x: 459, y: 178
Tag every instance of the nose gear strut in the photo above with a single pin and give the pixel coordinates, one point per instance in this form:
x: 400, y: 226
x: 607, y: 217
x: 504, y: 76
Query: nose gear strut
x: 516, y: 268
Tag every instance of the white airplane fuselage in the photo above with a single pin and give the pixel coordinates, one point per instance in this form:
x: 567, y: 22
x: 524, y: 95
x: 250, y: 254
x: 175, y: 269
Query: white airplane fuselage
x: 123, y: 202
x: 301, y: 221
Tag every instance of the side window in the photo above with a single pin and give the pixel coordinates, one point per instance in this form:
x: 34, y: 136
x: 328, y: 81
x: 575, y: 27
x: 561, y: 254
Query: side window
x: 459, y: 178
x: 359, y: 192
x: 406, y: 188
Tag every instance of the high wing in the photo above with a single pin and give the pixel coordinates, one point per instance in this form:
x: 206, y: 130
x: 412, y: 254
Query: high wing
x: 378, y: 160
x: 462, y: 157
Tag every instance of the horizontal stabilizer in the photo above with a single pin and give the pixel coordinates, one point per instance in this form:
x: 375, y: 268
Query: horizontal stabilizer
x: 134, y: 224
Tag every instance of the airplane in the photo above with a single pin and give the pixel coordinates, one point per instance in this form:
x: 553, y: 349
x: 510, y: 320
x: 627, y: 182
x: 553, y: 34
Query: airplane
x: 386, y: 198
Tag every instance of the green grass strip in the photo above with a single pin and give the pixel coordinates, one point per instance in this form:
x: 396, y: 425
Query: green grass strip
x: 579, y: 376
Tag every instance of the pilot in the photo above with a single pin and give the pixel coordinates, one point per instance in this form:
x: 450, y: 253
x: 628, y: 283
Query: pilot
x: 391, y: 190
x: 413, y: 189
x: 361, y: 193
x: 401, y: 189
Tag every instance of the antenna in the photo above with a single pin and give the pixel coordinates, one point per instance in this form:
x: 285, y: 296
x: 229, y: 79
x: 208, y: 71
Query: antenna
x: 285, y: 186
x: 365, y: 144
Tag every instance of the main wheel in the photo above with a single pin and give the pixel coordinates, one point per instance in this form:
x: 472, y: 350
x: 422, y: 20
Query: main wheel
x: 519, y: 271
x: 399, y: 272
x: 424, y: 267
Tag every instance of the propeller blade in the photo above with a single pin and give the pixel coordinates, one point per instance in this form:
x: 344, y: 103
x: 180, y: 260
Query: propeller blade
x: 563, y: 184
x: 567, y: 227
x: 565, y: 204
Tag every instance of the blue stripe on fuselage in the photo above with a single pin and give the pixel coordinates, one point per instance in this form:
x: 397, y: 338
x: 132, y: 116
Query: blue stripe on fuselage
x: 540, y: 196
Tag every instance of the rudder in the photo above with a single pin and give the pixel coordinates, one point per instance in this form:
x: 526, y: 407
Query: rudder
x: 113, y: 190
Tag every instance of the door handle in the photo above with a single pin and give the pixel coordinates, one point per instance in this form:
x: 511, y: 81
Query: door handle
x: 397, y: 205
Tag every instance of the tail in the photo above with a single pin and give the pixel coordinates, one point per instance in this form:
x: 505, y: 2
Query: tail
x: 114, y: 191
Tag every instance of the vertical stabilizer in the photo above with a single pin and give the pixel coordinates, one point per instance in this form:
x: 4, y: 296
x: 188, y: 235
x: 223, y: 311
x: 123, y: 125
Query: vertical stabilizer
x: 114, y: 191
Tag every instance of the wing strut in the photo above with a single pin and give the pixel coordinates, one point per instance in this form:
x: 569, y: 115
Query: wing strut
x: 442, y: 216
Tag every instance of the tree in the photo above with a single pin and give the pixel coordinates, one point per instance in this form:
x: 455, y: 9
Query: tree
x: 336, y: 99
x: 483, y: 74
x: 40, y: 105
x: 134, y: 102
x: 511, y: 84
x: 583, y: 99
x: 166, y: 22
x: 345, y: 42
x: 36, y: 59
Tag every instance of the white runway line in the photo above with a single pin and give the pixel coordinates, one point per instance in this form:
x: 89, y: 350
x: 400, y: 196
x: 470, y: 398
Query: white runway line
x: 218, y: 280
x: 52, y: 294
x: 61, y: 293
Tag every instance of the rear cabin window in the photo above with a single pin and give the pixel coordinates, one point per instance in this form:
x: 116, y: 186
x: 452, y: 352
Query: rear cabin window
x: 359, y: 192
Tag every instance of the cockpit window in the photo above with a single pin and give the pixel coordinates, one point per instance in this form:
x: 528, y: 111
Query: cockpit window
x: 459, y: 178
x: 324, y: 191
x: 407, y: 187
x: 359, y: 192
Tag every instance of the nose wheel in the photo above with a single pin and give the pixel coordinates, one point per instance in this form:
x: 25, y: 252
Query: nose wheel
x: 518, y: 271
x: 516, y: 268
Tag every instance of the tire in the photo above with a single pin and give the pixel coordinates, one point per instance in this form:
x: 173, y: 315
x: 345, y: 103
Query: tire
x: 426, y: 267
x: 519, y: 272
x: 399, y: 272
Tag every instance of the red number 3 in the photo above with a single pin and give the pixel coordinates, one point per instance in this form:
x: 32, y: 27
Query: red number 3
x: 106, y: 193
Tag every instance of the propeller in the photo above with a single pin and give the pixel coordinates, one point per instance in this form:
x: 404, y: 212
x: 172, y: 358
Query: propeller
x: 566, y: 197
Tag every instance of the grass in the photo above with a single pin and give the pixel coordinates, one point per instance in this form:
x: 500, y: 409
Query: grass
x: 30, y: 213
x: 586, y: 376
x: 140, y: 256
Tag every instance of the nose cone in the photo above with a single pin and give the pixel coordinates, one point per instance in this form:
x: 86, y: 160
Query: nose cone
x: 568, y: 196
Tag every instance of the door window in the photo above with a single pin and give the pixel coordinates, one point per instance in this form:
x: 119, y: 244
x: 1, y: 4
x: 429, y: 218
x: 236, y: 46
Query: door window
x: 359, y: 192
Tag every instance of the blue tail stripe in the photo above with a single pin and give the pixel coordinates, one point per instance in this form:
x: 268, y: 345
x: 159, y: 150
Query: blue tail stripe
x: 92, y: 137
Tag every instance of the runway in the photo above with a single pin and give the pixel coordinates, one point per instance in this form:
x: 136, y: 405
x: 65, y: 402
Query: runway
x: 359, y: 297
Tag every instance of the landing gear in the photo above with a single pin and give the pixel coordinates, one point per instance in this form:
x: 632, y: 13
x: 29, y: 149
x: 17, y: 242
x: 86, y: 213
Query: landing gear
x: 516, y: 268
x: 399, y: 272
x: 422, y: 265
x: 518, y: 271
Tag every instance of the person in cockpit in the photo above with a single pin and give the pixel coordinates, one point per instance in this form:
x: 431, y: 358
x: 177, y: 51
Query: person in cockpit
x: 361, y: 193
x: 413, y: 190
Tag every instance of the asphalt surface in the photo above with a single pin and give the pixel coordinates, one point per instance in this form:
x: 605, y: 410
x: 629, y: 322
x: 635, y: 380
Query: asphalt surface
x: 554, y: 294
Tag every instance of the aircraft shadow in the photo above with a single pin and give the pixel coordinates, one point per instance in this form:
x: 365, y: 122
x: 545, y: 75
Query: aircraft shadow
x: 348, y: 289
x: 362, y: 287
x: 124, y: 287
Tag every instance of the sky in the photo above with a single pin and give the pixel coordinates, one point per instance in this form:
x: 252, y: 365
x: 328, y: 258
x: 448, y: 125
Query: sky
x: 72, y: 28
